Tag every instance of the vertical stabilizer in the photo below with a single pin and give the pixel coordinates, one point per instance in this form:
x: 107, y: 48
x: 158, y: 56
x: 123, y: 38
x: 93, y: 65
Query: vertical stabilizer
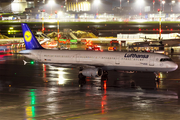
x: 29, y: 38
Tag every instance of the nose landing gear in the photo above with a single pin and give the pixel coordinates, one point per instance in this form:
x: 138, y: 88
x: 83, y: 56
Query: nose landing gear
x: 104, y: 79
x: 157, y: 80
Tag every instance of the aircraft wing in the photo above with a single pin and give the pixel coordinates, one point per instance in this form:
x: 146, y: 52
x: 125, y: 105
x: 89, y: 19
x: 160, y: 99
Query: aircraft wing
x: 166, y: 42
x: 171, y: 42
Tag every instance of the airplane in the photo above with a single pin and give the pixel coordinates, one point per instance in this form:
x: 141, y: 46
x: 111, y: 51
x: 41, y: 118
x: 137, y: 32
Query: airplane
x: 95, y: 63
x: 170, y: 42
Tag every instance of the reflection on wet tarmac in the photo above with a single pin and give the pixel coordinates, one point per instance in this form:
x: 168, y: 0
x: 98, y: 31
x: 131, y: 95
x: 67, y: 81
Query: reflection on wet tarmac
x: 43, y: 92
x: 30, y: 107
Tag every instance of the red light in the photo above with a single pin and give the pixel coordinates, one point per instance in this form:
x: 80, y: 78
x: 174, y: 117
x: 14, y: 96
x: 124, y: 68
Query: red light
x: 140, y: 14
x: 139, y: 29
x: 157, y: 29
x: 171, y: 29
x: 88, y: 43
x: 59, y: 35
x: 105, y: 85
x: 55, y: 12
x: 158, y: 10
x: 43, y: 10
x: 153, y: 29
x: 44, y: 67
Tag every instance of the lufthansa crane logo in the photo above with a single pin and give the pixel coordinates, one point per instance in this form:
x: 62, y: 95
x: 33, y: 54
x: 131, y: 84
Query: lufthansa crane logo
x: 28, y: 36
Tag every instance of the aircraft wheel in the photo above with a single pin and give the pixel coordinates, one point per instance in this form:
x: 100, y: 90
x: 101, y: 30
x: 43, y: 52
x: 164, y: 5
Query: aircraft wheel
x: 82, y: 79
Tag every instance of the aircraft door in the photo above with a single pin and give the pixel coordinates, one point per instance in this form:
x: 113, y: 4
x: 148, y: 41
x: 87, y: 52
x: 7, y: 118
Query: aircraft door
x: 151, y: 61
x: 117, y: 60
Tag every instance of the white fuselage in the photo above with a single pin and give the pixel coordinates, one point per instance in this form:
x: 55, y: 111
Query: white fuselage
x: 129, y: 61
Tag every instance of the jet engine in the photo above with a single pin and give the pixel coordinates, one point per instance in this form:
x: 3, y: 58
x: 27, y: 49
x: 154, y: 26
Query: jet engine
x: 92, y: 72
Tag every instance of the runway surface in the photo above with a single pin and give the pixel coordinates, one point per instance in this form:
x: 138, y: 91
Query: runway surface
x: 42, y: 92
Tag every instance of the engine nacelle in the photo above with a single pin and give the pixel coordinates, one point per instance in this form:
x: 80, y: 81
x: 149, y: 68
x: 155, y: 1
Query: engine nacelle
x: 92, y: 72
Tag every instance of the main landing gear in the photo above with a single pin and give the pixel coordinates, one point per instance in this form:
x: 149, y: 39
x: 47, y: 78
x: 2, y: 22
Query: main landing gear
x: 82, y: 78
x: 157, y: 80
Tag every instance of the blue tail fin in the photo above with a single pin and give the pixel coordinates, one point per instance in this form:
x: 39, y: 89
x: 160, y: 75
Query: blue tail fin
x: 29, y: 39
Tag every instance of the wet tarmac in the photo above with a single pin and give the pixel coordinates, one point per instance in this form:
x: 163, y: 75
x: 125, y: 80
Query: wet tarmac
x: 42, y: 92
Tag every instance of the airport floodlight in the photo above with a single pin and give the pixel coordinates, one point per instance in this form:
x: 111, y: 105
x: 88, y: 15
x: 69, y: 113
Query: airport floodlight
x: 60, y: 13
x: 51, y: 2
x: 140, y: 2
x: 163, y: 2
x: 97, y: 2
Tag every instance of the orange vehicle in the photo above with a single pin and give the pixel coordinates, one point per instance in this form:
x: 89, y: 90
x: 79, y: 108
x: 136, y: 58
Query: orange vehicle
x: 112, y: 48
x: 88, y: 42
x: 95, y: 48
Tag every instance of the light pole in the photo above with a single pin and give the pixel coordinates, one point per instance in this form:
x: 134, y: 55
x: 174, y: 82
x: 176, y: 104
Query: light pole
x: 140, y: 3
x: 51, y: 2
x: 153, y: 4
x: 59, y: 14
x: 77, y: 9
x: 97, y: 2
x: 159, y: 24
x: 179, y: 3
x: 163, y: 2
x: 43, y: 21
x: 56, y: 13
x: 172, y: 3
x: 160, y: 10
x: 120, y: 4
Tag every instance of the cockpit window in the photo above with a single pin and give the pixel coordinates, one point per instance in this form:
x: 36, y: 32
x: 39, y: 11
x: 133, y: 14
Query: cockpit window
x: 165, y: 59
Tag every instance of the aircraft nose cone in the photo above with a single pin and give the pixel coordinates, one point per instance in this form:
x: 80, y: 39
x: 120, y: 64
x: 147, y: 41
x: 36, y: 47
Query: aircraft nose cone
x: 174, y: 66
